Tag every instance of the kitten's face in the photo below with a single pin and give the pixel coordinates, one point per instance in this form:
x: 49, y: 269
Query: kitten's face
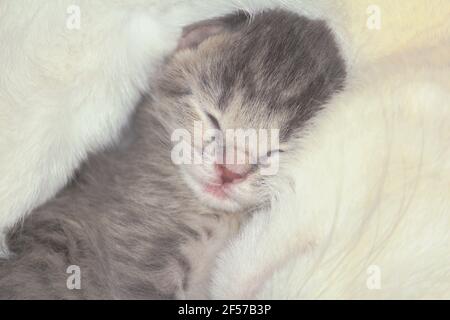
x: 237, y: 93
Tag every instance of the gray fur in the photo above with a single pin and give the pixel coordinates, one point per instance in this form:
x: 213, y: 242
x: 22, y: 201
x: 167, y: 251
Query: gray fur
x: 282, y: 66
x: 128, y: 219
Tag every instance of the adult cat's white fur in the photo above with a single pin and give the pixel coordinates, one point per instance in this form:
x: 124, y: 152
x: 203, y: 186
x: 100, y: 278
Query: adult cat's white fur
x: 370, y: 213
x: 65, y: 93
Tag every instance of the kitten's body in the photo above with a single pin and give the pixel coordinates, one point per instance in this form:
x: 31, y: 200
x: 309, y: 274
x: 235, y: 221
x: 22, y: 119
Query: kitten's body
x: 66, y: 92
x: 128, y: 221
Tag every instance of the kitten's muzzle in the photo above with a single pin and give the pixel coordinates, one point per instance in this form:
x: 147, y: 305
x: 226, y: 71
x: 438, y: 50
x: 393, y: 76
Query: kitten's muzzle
x: 232, y: 174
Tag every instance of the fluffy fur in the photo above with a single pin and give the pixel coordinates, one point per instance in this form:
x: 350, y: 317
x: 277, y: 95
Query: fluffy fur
x: 158, y: 240
x: 369, y: 216
x: 60, y: 98
x: 65, y: 93
x: 127, y: 221
x: 372, y: 183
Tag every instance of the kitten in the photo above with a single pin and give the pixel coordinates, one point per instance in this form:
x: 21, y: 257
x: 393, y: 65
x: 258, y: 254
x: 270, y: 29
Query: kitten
x: 140, y: 226
x: 71, y: 76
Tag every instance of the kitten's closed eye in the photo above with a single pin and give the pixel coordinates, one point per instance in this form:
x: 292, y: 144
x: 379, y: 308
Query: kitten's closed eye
x: 272, y: 152
x: 214, y: 121
x: 263, y: 160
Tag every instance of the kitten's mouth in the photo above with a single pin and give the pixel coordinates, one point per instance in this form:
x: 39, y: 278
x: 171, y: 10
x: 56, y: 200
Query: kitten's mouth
x: 216, y: 193
x: 227, y: 179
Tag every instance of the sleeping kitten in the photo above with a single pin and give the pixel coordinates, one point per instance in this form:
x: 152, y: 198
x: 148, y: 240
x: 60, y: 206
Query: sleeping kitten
x: 72, y: 73
x: 140, y: 226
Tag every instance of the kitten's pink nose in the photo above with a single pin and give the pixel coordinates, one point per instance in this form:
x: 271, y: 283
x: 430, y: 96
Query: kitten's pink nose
x: 227, y: 175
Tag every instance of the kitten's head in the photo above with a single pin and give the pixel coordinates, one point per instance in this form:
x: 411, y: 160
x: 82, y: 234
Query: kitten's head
x: 236, y: 94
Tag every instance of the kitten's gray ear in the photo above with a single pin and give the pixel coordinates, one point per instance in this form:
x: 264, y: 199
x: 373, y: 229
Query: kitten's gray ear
x: 194, y: 34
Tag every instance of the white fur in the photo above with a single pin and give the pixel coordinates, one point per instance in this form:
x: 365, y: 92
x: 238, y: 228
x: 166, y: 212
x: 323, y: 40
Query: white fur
x: 372, y: 195
x: 65, y: 93
x: 379, y: 158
